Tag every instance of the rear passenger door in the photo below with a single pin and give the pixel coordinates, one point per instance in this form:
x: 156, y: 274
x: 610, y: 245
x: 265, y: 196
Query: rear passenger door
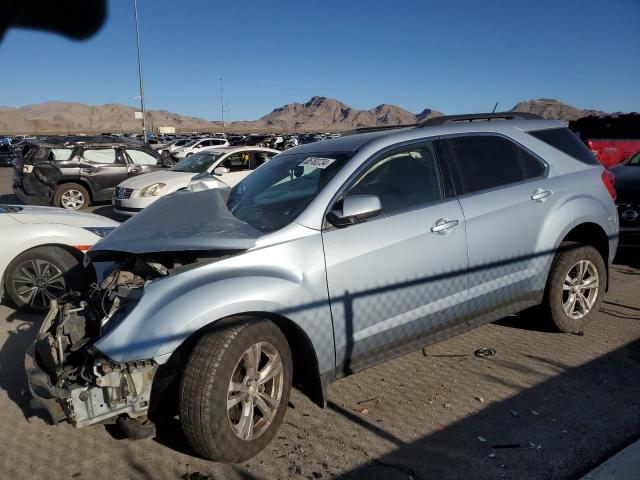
x: 508, y: 196
x: 140, y: 162
x: 103, y: 169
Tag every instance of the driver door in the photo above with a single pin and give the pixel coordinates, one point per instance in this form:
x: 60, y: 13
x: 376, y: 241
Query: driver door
x: 397, y: 280
x: 239, y: 166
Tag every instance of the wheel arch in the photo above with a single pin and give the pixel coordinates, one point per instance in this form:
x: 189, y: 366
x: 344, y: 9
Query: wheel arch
x: 306, y: 374
x: 594, y: 235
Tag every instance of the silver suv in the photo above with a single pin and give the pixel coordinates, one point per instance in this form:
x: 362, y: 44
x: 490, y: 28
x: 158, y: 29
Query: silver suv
x: 331, y: 257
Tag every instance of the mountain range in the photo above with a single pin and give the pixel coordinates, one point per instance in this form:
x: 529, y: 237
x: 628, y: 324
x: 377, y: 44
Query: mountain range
x: 319, y: 114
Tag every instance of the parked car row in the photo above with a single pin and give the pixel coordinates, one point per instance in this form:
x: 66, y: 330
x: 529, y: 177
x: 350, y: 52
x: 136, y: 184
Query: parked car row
x: 328, y: 258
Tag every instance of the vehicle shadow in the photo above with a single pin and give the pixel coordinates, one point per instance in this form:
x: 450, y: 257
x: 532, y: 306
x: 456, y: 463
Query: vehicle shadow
x: 12, y: 377
x: 628, y: 256
x: 572, y: 414
x: 10, y: 198
x: 107, y: 211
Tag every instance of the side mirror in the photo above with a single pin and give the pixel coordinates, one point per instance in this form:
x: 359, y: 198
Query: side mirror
x: 355, y: 209
x: 220, y: 170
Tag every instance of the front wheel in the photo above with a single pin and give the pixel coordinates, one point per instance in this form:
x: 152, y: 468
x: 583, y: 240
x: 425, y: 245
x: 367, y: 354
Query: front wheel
x: 235, y: 389
x: 37, y: 276
x: 575, y: 287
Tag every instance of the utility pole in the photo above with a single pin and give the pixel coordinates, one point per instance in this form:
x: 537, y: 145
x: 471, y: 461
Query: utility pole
x: 144, y: 116
x: 221, y: 106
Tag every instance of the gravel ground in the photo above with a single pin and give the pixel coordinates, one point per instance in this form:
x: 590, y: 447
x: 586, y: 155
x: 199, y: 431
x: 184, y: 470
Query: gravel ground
x: 546, y: 406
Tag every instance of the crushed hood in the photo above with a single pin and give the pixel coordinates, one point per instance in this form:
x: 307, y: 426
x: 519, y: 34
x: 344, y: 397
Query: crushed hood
x: 181, y: 221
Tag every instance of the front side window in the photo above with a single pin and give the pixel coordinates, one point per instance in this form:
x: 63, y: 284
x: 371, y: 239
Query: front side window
x: 403, y: 179
x: 104, y: 155
x: 237, y: 162
x: 141, y: 158
x: 485, y: 162
x: 272, y: 196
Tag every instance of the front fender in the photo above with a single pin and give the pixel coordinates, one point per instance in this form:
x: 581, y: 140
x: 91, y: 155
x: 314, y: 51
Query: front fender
x: 281, y: 279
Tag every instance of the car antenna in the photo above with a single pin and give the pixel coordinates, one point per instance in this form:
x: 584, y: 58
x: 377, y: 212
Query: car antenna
x: 494, y: 108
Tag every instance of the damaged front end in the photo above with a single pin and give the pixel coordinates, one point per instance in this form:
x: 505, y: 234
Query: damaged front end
x: 68, y: 376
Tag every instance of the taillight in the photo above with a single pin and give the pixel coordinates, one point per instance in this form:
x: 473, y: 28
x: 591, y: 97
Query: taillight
x: 607, y: 179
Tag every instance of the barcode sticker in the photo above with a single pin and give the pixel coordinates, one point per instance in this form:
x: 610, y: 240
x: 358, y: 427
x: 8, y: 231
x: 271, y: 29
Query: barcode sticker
x: 317, y: 162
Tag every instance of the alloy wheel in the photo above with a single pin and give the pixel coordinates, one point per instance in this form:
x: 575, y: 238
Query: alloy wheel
x: 72, y: 199
x: 37, y: 282
x: 255, y: 391
x: 580, y: 289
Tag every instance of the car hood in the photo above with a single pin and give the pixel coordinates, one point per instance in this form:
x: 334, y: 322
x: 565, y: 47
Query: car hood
x: 627, y: 183
x: 168, y: 177
x: 33, y: 215
x: 182, y: 221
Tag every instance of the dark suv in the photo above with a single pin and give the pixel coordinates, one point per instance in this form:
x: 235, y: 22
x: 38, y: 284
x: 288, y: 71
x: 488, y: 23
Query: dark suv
x: 72, y: 172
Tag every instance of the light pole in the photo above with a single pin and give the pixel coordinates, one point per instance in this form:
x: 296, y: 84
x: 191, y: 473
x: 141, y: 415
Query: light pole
x: 221, y: 106
x: 144, y: 116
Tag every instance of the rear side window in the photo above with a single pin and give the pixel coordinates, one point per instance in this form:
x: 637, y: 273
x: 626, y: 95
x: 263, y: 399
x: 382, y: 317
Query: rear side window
x: 485, y: 162
x: 141, y: 158
x: 531, y: 166
x: 567, y: 142
x: 105, y: 155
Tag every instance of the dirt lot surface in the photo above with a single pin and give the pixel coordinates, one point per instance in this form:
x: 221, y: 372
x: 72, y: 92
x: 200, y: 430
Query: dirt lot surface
x: 545, y: 406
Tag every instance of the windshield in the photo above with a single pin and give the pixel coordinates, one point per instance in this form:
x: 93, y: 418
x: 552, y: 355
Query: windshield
x: 191, y: 143
x: 196, y: 163
x: 281, y: 189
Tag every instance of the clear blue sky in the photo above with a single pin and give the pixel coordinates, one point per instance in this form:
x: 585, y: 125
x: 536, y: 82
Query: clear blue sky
x: 452, y: 56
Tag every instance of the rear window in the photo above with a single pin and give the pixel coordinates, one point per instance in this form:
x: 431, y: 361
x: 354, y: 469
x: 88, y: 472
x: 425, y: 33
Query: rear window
x: 567, y: 142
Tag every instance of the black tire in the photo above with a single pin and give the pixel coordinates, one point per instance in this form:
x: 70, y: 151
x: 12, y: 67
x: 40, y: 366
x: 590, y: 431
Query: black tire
x: 69, y: 187
x: 72, y: 276
x: 205, y: 384
x: 567, y: 257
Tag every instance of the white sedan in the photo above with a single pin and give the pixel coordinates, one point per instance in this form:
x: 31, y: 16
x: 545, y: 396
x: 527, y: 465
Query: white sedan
x: 42, y: 252
x: 198, y: 146
x: 229, y: 165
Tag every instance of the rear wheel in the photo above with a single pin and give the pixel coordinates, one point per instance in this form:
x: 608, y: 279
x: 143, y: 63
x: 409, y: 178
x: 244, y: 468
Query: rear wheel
x: 38, y: 275
x: 235, y: 390
x: 71, y: 196
x: 575, y: 287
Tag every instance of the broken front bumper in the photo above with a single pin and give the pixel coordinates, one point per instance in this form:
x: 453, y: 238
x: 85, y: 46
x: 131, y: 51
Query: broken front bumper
x: 114, y: 389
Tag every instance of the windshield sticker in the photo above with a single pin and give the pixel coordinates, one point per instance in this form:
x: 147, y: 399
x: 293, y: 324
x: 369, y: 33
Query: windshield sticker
x: 317, y: 162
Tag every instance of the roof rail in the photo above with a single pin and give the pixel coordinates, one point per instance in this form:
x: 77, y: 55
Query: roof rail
x: 432, y: 122
x: 377, y: 129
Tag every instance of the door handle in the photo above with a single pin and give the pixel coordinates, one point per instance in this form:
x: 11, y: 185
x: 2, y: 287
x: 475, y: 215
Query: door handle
x: 541, y: 195
x: 89, y: 170
x: 444, y: 226
x: 135, y: 170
